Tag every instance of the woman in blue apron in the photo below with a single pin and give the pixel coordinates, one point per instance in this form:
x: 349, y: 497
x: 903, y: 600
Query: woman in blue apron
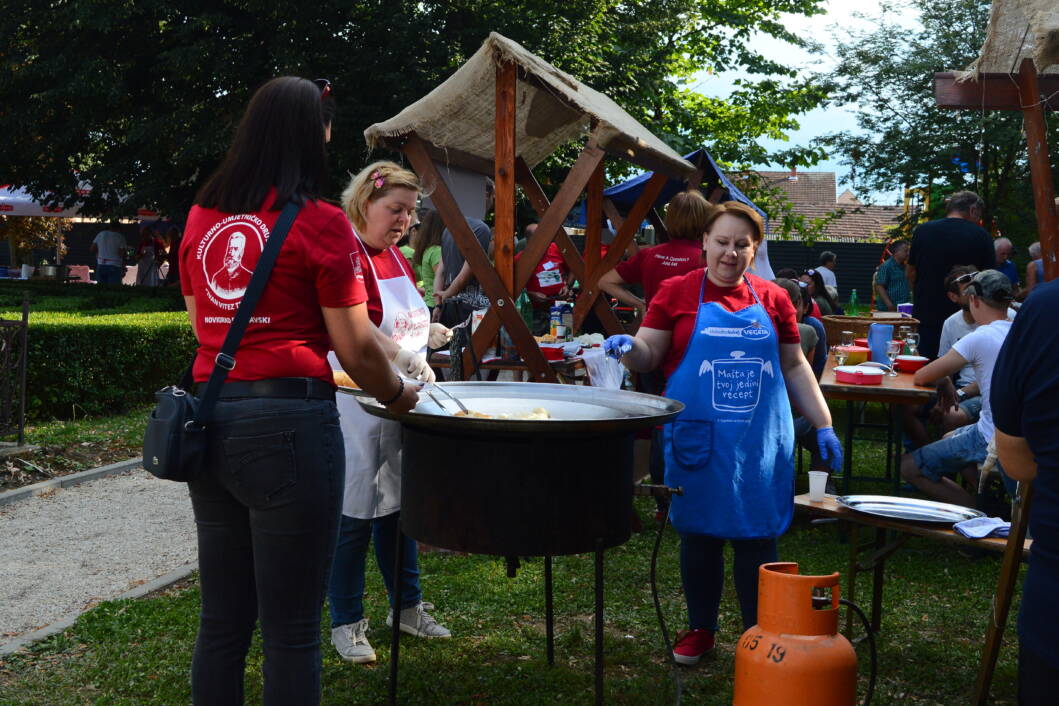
x: 380, y: 202
x: 728, y: 344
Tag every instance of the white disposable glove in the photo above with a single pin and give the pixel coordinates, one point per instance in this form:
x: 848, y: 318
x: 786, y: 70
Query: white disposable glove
x: 413, y: 365
x: 439, y: 336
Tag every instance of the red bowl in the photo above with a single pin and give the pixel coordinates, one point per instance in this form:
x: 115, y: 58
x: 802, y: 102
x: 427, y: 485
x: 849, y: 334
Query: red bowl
x: 552, y: 351
x: 856, y: 375
x: 862, y: 342
x: 910, y: 363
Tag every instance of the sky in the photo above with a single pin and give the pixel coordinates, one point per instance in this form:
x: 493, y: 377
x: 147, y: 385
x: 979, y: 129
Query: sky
x: 820, y: 121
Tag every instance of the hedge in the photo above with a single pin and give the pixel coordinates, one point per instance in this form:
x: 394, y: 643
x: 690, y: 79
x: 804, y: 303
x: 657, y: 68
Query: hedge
x: 101, y: 364
x: 97, y: 349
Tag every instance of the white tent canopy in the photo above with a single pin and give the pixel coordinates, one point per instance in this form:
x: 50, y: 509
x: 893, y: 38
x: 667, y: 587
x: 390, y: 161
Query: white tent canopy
x: 552, y: 108
x: 15, y: 201
x: 1020, y: 29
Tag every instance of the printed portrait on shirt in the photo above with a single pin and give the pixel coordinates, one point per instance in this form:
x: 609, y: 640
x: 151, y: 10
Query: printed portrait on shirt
x: 228, y: 254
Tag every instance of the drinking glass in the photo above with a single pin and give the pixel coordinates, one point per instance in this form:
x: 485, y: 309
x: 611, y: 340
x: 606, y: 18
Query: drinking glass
x: 893, y: 349
x: 912, y: 341
x: 840, y: 353
x: 902, y: 333
x: 847, y: 338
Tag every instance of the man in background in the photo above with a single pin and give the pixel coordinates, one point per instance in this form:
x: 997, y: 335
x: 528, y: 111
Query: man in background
x: 109, y: 248
x: 828, y: 262
x: 937, y: 247
x: 457, y: 292
x: 1004, y: 252
x: 891, y: 285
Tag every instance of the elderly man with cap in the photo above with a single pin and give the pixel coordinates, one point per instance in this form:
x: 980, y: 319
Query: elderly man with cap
x: 927, y: 468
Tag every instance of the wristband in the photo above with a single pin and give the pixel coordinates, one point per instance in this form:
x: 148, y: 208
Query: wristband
x: 960, y: 394
x: 400, y: 391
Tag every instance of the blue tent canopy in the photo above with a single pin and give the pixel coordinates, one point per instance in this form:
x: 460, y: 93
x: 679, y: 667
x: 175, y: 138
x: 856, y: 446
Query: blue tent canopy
x: 624, y: 195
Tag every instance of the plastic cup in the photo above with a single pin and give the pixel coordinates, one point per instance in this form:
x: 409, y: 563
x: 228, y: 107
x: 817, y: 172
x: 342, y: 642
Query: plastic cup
x: 817, y: 485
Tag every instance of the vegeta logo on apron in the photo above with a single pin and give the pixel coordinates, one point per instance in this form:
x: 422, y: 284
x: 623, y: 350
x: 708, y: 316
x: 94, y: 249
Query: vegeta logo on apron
x: 736, y: 381
x: 732, y: 448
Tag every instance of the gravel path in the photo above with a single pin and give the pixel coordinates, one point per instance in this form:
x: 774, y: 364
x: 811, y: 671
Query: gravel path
x: 65, y: 550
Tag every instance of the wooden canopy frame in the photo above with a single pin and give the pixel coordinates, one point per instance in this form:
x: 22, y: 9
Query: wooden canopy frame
x: 505, y: 279
x: 1032, y: 94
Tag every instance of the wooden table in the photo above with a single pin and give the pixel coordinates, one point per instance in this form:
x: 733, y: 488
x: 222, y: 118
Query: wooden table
x: 893, y: 392
x: 1015, y: 548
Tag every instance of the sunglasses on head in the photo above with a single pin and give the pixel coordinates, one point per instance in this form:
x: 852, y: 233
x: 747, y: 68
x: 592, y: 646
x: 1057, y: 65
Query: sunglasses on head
x: 325, y: 87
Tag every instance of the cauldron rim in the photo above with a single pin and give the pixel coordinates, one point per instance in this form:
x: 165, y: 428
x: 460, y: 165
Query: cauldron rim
x: 640, y: 410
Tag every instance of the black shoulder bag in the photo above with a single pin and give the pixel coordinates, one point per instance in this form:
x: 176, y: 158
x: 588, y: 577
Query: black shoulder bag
x: 174, y: 445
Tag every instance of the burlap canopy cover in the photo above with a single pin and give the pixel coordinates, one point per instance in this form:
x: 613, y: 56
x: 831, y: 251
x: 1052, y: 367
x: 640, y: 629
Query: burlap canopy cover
x: 460, y: 113
x: 1020, y: 29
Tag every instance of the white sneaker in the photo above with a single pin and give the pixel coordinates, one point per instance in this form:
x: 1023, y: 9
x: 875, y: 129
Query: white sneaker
x: 352, y: 643
x: 417, y: 621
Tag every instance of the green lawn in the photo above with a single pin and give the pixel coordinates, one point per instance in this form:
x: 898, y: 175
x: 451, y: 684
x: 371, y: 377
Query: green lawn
x: 935, y: 613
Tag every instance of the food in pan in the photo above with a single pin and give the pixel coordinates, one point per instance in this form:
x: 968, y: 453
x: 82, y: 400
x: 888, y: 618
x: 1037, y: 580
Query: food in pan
x: 343, y: 380
x: 537, y: 413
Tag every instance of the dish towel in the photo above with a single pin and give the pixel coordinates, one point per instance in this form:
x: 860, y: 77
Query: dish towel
x: 979, y: 527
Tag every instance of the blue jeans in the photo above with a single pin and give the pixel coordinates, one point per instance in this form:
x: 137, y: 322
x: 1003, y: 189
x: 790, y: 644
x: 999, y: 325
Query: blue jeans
x: 266, y: 509
x: 109, y: 274
x: 702, y: 573
x: 346, y: 591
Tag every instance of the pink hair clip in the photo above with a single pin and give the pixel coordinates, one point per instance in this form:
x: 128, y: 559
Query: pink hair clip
x: 377, y: 179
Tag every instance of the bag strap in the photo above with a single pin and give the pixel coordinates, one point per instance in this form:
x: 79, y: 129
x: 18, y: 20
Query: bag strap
x: 225, y: 360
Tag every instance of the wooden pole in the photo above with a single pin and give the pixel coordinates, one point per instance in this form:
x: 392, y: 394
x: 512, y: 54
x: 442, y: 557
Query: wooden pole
x: 1040, y: 169
x: 1009, y: 572
x: 590, y: 282
x: 594, y: 226
x: 504, y: 225
x: 540, y: 203
x: 502, y: 305
x: 550, y: 228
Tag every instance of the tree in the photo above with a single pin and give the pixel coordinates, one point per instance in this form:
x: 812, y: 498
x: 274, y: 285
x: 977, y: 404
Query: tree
x: 886, y: 73
x: 140, y: 99
x: 25, y: 234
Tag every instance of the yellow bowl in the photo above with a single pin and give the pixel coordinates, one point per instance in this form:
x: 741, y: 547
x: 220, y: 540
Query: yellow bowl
x: 856, y: 354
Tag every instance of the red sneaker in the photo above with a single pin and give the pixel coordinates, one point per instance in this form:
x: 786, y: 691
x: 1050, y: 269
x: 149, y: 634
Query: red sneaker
x: 692, y: 645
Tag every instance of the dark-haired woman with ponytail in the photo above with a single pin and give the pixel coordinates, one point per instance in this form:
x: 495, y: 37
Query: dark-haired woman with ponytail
x: 268, y: 497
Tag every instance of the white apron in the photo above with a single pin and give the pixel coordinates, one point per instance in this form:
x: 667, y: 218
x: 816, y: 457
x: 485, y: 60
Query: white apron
x: 373, y: 445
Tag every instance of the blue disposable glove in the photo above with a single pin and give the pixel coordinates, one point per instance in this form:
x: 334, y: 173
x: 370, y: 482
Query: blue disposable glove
x: 617, y: 346
x: 830, y: 447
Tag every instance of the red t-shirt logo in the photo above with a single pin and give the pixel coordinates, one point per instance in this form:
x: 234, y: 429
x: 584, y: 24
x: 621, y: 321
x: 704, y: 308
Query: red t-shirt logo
x: 228, y: 253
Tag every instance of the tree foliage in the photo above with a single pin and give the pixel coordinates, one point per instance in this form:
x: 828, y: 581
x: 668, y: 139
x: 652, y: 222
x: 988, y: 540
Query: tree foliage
x: 140, y: 98
x: 25, y: 234
x: 886, y: 75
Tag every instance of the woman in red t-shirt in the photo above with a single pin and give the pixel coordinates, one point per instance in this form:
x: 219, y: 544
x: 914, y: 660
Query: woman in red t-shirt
x: 380, y: 201
x: 266, y: 501
x: 728, y: 343
x: 686, y: 218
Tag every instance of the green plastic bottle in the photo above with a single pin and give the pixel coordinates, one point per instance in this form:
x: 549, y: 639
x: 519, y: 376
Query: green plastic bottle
x: 854, y: 307
x: 525, y: 308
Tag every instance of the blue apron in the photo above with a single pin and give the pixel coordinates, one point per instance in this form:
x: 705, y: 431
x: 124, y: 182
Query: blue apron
x: 732, y: 448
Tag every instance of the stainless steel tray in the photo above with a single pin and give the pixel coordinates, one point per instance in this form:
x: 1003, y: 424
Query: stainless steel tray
x: 574, y: 409
x: 908, y: 508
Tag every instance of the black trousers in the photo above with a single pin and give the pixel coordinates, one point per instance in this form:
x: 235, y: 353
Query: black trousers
x: 1038, y: 679
x: 266, y: 510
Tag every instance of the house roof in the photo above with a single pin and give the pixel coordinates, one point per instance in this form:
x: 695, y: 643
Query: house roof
x: 812, y: 194
x: 552, y: 107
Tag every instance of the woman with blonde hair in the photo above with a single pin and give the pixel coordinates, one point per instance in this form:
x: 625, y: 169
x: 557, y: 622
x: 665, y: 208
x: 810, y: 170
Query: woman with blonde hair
x: 380, y: 202
x: 685, y: 222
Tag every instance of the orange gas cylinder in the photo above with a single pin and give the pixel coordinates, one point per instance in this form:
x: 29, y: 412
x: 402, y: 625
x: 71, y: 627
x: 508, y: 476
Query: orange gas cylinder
x: 794, y: 655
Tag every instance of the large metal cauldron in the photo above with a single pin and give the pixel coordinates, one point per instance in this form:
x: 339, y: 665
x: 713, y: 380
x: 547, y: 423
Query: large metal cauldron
x: 523, y: 487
